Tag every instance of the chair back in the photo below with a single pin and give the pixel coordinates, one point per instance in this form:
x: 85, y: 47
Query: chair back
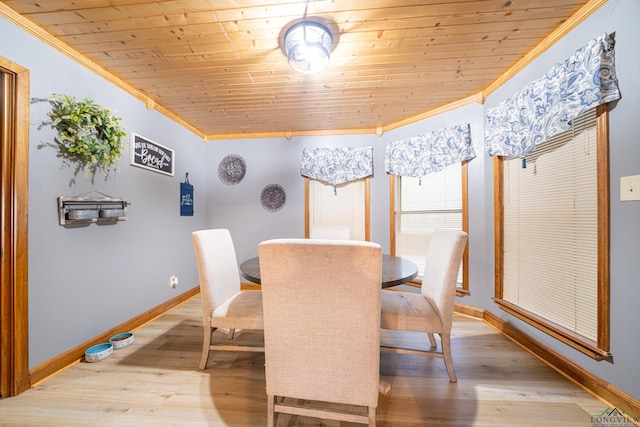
x: 217, y: 267
x: 321, y: 302
x: 441, y: 272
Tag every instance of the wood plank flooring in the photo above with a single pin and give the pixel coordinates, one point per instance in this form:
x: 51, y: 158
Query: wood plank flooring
x: 155, y: 382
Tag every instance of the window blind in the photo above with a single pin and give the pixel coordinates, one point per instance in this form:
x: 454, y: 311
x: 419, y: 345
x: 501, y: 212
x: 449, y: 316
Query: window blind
x: 340, y: 206
x: 550, y: 252
x: 426, y: 204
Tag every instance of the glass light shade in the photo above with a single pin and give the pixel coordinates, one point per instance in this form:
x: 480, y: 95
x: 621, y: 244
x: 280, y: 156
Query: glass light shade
x: 307, y: 45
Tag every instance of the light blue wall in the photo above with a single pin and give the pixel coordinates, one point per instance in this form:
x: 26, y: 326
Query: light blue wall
x: 84, y: 281
x: 277, y: 161
x: 76, y: 293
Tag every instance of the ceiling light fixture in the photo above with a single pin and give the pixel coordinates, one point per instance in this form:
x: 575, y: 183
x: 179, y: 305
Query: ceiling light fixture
x: 307, y: 45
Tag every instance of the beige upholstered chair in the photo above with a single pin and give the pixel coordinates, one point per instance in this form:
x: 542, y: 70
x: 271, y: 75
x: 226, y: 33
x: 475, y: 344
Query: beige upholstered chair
x: 224, y: 305
x: 330, y: 232
x: 431, y: 310
x: 322, y: 327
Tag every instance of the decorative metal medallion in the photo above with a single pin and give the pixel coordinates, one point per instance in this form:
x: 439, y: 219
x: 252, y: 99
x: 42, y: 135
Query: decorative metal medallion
x: 273, y: 197
x: 231, y: 169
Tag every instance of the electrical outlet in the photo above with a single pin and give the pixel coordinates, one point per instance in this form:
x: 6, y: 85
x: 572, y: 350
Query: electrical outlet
x: 629, y: 188
x: 173, y: 281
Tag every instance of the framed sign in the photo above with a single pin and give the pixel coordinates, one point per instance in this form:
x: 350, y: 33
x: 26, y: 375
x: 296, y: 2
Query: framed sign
x: 150, y: 155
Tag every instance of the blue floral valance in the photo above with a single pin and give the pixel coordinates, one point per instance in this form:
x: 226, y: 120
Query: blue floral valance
x: 546, y: 107
x: 429, y: 152
x: 337, y: 165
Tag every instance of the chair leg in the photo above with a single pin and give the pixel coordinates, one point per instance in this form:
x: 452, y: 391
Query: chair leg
x: 432, y: 340
x: 206, y: 344
x: 270, y: 410
x: 230, y: 334
x: 448, y: 361
x: 372, y: 416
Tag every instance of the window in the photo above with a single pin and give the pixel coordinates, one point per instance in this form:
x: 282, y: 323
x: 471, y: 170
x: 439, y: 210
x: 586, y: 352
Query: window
x: 422, y: 205
x: 552, y: 240
x: 345, y: 205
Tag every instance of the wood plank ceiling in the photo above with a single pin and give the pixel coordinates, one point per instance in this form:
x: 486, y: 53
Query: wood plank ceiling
x: 217, y: 65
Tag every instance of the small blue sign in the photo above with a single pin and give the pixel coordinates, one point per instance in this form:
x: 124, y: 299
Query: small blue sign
x: 186, y: 199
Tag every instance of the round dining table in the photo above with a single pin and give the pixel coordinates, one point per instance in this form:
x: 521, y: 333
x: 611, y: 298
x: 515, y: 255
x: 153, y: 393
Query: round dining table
x: 395, y: 270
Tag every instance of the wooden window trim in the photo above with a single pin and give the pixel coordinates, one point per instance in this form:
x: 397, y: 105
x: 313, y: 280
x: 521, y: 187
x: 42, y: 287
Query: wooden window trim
x: 464, y: 290
x: 596, y: 350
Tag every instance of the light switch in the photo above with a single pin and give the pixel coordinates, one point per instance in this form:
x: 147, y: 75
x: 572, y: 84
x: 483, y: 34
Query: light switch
x: 629, y: 188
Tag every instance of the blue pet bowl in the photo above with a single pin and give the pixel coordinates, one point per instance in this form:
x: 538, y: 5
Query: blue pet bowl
x: 98, y: 352
x: 121, y: 340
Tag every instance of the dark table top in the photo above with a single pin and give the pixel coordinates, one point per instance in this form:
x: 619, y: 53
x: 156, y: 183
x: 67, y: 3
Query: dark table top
x: 395, y: 270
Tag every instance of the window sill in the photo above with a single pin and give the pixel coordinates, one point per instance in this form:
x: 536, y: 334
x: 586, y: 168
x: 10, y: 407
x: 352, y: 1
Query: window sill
x: 580, y: 343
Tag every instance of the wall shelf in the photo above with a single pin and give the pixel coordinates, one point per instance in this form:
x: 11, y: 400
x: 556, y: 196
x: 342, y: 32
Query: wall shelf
x: 87, y: 210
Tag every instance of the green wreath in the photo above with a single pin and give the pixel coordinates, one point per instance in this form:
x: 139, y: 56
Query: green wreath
x: 87, y: 133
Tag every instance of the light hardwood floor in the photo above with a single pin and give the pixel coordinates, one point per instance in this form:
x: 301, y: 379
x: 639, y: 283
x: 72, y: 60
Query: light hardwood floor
x: 155, y: 382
